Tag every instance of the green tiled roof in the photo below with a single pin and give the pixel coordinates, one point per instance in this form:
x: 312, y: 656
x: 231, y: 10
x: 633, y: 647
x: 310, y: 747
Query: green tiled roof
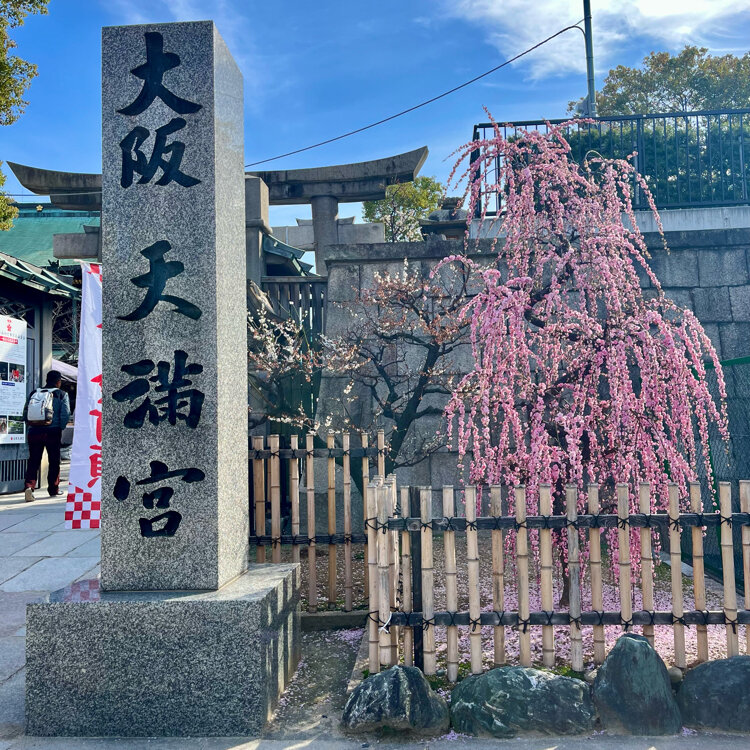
x: 30, y: 237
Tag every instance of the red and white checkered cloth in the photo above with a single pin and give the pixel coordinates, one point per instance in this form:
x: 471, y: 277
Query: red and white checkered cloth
x: 81, y: 510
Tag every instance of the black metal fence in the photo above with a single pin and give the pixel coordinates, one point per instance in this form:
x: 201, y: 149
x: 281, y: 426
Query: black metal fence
x: 688, y: 159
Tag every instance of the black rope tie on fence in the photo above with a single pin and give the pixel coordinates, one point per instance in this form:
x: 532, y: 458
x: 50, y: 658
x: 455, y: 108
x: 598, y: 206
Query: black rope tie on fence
x: 374, y: 617
x: 546, y: 522
x: 412, y: 620
x: 471, y: 525
x: 520, y: 525
x: 371, y: 523
x: 678, y: 620
x: 297, y: 539
x: 424, y: 525
x: 649, y: 521
x: 448, y: 523
x: 651, y: 616
x: 345, y: 453
x: 310, y: 453
x: 595, y: 522
x: 452, y: 619
x: 548, y: 613
x: 274, y: 454
x: 331, y: 539
x: 275, y: 541
x: 704, y: 615
x: 499, y: 615
x: 674, y: 524
x: 727, y: 520
x: 523, y: 625
x: 623, y: 523
x: 497, y: 520
x: 600, y: 615
x: 570, y: 522
x: 426, y: 622
x: 734, y: 623
x: 475, y: 624
x: 626, y: 624
x: 575, y: 621
x: 347, y: 538
x: 257, y: 454
x: 701, y: 520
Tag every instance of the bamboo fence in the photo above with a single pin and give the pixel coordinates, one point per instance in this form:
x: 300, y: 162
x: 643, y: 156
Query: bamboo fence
x: 391, y: 601
x: 269, y: 462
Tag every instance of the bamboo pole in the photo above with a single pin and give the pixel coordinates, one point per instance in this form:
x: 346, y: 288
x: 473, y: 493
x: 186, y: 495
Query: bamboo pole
x: 312, y: 571
x: 365, y: 482
x: 647, y: 559
x: 406, y: 601
x: 574, y: 572
x: 370, y: 492
x: 259, y: 494
x: 623, y: 555
x: 727, y: 564
x: 428, y: 579
x: 699, y: 574
x: 595, y: 566
x: 498, y: 575
x: 522, y: 565
x: 545, y: 560
x: 451, y: 583
x: 381, y: 453
x: 330, y: 444
x: 294, y: 493
x: 745, y: 508
x: 675, y: 561
x: 348, y: 586
x: 273, y: 445
x: 384, y: 581
x: 393, y: 564
x: 472, y: 558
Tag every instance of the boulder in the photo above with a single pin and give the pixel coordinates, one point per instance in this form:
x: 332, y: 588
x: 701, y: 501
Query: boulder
x: 507, y: 701
x: 716, y: 695
x: 399, y: 699
x: 633, y: 692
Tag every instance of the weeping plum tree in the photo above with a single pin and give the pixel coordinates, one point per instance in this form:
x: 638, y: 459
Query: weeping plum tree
x: 578, y: 377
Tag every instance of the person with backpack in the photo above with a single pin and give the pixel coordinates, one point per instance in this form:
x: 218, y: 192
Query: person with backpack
x: 46, y: 414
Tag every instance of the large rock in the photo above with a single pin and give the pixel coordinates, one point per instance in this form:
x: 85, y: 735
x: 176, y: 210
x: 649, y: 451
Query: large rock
x: 716, y: 695
x: 399, y: 699
x: 508, y: 700
x: 633, y: 692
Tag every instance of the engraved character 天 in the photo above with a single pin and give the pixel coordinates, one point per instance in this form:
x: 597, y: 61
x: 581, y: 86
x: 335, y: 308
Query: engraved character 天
x: 158, y: 62
x: 153, y: 527
x: 160, y: 271
x: 178, y: 397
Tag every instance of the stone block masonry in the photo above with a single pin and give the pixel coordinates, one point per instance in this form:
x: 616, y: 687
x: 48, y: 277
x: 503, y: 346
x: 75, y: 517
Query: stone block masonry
x: 135, y: 664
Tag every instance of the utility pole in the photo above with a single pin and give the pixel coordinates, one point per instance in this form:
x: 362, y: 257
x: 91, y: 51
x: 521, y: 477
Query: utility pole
x: 589, y: 57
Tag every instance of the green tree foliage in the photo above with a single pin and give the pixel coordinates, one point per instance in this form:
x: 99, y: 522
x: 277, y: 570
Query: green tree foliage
x: 405, y: 203
x: 691, y: 80
x: 16, y: 75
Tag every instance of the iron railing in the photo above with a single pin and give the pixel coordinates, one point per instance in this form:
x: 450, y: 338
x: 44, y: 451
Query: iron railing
x: 688, y: 159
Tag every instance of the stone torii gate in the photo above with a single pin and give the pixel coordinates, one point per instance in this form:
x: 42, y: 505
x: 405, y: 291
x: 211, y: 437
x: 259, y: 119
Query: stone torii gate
x: 322, y: 187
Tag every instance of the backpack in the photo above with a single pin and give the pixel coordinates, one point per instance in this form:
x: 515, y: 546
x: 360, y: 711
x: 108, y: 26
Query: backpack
x: 41, y: 409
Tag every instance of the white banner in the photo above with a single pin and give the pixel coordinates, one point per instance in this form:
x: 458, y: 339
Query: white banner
x: 12, y: 379
x: 85, y: 491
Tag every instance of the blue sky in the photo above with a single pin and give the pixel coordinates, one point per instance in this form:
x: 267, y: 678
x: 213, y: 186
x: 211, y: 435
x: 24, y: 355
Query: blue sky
x: 316, y: 69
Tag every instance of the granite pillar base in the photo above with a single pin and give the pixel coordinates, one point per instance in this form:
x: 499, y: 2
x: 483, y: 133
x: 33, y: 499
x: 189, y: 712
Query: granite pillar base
x: 162, y: 664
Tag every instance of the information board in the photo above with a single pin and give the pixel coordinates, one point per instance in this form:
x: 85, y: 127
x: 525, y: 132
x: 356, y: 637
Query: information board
x: 12, y: 379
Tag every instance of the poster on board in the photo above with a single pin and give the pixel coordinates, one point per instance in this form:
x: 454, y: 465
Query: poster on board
x: 12, y: 379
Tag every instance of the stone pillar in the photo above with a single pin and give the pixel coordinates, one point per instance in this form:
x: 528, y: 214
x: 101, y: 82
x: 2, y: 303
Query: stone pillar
x: 325, y: 216
x: 183, y: 640
x: 174, y: 483
x: 256, y: 226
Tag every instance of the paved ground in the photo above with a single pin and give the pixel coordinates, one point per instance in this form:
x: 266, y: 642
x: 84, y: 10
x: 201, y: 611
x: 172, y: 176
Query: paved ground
x: 37, y: 555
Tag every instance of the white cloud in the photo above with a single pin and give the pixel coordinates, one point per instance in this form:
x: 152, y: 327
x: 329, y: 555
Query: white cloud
x: 514, y: 25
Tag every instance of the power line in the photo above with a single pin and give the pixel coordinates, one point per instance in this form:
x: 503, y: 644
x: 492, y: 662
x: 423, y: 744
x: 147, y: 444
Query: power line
x: 421, y: 104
